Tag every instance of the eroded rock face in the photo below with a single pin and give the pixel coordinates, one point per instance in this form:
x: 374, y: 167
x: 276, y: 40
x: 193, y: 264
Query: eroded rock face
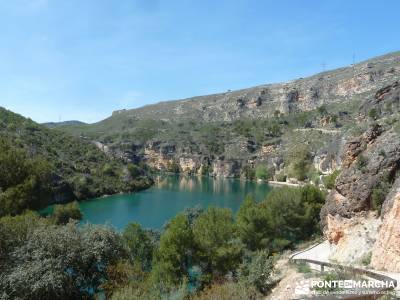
x: 385, y: 102
x: 226, y: 168
x: 352, y: 239
x: 354, y: 186
x: 386, y: 251
x: 349, y: 224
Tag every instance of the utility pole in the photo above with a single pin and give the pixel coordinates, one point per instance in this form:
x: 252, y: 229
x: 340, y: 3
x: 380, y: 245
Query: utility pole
x: 323, y: 66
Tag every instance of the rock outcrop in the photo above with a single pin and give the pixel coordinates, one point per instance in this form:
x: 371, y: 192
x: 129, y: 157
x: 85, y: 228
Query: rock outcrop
x: 386, y: 251
x: 370, y: 168
x: 367, y: 161
x: 352, y: 238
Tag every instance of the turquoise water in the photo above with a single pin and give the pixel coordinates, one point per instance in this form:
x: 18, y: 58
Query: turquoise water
x: 152, y: 208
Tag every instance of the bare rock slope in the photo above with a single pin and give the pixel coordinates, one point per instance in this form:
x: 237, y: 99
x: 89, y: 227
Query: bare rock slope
x: 369, y: 184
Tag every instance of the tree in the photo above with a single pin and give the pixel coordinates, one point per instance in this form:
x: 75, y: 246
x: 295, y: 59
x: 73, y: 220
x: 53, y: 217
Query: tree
x: 215, y: 236
x: 262, y: 172
x: 134, y: 170
x: 173, y: 254
x: 292, y: 214
x: 24, y: 181
x: 140, y: 245
x: 251, y: 223
x: 63, y: 213
x: 299, y: 161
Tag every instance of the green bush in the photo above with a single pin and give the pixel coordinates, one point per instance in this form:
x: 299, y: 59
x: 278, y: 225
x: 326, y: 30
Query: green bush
x: 329, y: 180
x: 281, y: 177
x: 249, y: 172
x: 303, y: 267
x: 373, y: 114
x: 63, y: 213
x: 379, y: 193
x: 262, y: 172
x: 366, y: 260
x: 299, y: 161
x: 134, y: 170
x: 25, y: 182
x: 362, y: 163
x: 140, y: 245
x: 256, y: 271
x: 288, y: 215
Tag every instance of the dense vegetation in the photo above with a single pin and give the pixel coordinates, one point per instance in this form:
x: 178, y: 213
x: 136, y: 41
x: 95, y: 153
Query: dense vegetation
x: 199, y: 254
x: 39, y: 165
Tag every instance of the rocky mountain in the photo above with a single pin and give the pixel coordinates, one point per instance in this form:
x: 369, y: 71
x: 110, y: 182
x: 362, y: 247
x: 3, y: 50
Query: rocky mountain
x: 234, y: 133
x: 264, y: 101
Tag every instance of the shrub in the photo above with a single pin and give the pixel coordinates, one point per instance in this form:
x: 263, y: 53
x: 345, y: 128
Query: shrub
x: 303, y: 267
x: 366, y: 260
x: 68, y: 262
x: 256, y: 271
x: 373, y: 113
x: 329, y: 180
x: 249, y: 172
x: 134, y: 170
x: 63, y: 213
x: 281, y: 177
x: 362, y: 163
x: 24, y: 181
x: 379, y: 193
x: 262, y: 172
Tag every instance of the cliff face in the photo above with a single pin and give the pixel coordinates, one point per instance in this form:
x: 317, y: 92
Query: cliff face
x: 386, y: 251
x: 369, y: 184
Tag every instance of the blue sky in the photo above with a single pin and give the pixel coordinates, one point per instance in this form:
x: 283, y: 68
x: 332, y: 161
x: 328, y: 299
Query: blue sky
x: 82, y: 59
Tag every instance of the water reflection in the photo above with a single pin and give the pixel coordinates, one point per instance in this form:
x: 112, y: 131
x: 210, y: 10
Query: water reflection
x: 209, y: 185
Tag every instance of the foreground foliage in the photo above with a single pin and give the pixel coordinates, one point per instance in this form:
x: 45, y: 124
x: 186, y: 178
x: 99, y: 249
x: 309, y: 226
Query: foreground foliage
x: 199, y: 254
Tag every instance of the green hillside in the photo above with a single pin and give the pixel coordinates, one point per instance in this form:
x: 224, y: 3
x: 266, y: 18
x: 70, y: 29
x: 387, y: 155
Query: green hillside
x: 72, y: 168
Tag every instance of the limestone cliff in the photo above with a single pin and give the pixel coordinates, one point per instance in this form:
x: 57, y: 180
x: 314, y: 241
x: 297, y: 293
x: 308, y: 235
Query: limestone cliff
x: 386, y: 251
x: 361, y: 216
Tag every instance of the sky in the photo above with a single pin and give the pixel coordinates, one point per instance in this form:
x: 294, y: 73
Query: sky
x: 83, y: 59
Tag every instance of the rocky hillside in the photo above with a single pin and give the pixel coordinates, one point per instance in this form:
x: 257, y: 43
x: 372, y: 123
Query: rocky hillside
x: 294, y: 129
x: 79, y: 170
x: 264, y: 101
x: 362, y: 214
